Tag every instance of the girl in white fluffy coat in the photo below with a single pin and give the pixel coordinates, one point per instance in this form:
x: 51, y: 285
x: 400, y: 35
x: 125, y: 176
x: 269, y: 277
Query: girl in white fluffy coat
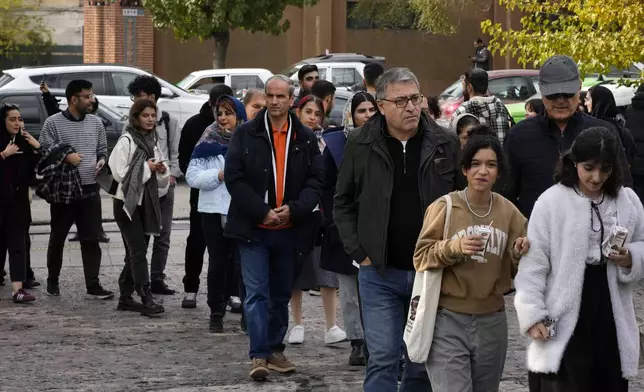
x: 594, y: 342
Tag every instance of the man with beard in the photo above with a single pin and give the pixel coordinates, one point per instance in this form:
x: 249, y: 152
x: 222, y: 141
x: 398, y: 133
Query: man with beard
x: 489, y: 110
x: 307, y: 76
x: 85, y: 134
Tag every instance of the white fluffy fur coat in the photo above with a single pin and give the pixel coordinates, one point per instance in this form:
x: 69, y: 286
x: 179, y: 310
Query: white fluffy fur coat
x: 551, y: 274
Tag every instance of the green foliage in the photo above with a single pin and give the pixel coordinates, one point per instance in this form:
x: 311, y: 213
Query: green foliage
x: 431, y: 16
x: 20, y: 31
x: 598, y: 34
x: 205, y: 18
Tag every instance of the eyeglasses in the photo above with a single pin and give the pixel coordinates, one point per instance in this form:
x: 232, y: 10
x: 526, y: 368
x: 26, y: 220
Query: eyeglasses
x: 401, y: 102
x: 86, y: 96
x: 554, y: 97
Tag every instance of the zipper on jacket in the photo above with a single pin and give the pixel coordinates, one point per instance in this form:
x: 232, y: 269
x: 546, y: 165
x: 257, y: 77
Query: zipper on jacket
x: 404, y: 144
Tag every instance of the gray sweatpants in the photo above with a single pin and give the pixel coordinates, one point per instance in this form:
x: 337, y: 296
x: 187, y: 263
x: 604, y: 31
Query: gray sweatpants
x: 350, y: 306
x: 468, y: 352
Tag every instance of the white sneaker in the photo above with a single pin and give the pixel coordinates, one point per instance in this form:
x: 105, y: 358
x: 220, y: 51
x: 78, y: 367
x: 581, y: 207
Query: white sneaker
x: 334, y: 335
x: 297, y: 335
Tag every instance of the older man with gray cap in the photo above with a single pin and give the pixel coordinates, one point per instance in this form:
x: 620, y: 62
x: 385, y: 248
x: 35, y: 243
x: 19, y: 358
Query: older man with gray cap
x: 534, y: 145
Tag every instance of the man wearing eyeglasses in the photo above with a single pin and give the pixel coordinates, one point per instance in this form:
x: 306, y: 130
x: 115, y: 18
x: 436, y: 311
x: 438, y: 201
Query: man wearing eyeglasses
x: 394, y: 167
x: 534, y: 145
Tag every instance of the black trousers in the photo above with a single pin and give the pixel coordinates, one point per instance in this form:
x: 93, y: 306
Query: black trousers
x: 3, y: 256
x: 86, y: 213
x: 591, y: 362
x: 224, y: 267
x: 135, y: 273
x: 195, y: 250
x: 14, y: 239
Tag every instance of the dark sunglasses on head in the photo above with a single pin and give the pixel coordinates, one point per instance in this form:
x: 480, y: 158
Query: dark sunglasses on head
x: 554, y: 97
x: 10, y: 106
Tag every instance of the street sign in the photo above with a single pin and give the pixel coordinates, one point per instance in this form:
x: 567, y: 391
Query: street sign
x: 133, y: 12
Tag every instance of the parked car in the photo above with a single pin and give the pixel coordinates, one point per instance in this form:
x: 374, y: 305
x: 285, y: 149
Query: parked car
x: 344, y: 75
x: 623, y: 98
x: 34, y: 113
x: 509, y: 85
x: 345, y: 58
x: 110, y: 86
x: 239, y: 79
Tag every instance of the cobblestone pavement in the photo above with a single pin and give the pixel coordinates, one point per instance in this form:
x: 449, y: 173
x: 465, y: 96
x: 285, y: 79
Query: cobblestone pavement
x: 67, y: 343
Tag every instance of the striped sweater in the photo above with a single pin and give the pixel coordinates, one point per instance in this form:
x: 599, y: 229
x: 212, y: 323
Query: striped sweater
x: 87, y: 137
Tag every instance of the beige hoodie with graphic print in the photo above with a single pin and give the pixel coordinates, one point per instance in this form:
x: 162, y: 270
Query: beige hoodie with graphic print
x: 471, y: 286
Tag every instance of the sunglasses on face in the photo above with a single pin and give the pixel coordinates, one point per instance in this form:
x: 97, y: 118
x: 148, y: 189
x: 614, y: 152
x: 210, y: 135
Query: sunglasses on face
x: 554, y: 97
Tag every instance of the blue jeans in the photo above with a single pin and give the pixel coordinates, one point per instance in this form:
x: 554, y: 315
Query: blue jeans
x: 385, y: 300
x: 268, y: 269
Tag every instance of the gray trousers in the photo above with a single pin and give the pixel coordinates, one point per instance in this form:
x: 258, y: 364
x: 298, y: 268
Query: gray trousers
x: 350, y: 306
x: 468, y: 352
x: 161, y: 244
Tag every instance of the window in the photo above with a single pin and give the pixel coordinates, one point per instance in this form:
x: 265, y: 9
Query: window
x: 121, y: 80
x: 97, y: 79
x: 29, y: 107
x: 511, y: 89
x: 206, y: 84
x: 346, y: 77
x: 242, y: 83
x: 5, y: 79
x: 335, y: 117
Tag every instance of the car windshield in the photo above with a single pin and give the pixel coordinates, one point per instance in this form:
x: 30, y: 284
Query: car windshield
x: 290, y: 71
x: 453, y: 91
x: 182, y: 84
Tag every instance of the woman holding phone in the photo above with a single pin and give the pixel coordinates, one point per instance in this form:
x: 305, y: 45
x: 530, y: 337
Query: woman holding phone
x: 141, y: 173
x: 574, y: 300
x: 18, y: 157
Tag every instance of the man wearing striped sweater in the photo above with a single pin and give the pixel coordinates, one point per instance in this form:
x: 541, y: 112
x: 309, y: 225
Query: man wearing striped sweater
x: 85, y: 133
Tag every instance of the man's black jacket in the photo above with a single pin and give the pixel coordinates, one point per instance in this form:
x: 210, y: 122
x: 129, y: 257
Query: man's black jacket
x: 249, y: 179
x: 533, y: 148
x: 365, y: 184
x: 190, y: 134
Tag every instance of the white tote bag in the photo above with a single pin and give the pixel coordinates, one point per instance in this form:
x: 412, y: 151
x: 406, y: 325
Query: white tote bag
x: 419, y: 330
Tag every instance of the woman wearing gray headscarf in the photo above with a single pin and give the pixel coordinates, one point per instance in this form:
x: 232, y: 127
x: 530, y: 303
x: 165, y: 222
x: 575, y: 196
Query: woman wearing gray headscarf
x: 140, y: 171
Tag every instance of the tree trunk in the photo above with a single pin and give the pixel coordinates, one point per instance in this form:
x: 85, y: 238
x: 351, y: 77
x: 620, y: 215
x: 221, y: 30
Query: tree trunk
x: 222, y: 39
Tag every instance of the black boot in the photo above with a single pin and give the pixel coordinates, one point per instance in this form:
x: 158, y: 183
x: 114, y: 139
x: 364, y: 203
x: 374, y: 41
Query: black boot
x: 129, y: 304
x: 216, y: 324
x: 150, y: 308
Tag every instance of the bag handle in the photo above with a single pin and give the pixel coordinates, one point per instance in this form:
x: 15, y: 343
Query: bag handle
x: 448, y: 216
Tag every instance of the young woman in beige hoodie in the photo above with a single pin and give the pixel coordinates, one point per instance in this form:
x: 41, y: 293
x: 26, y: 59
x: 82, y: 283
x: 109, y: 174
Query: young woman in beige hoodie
x: 470, y: 335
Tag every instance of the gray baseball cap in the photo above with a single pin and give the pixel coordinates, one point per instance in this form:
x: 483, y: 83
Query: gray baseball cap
x: 559, y: 75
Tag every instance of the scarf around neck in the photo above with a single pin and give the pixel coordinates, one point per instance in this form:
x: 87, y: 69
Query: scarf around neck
x: 213, y: 142
x: 133, y: 186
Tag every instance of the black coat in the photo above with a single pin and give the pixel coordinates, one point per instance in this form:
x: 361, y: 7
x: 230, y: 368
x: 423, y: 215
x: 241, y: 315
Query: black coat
x: 533, y: 148
x: 635, y: 124
x: 190, y: 134
x: 365, y: 184
x: 333, y: 257
x: 249, y: 176
x: 14, y: 193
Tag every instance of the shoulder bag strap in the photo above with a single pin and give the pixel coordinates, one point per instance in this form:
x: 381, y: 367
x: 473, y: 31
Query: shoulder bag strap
x: 448, y: 216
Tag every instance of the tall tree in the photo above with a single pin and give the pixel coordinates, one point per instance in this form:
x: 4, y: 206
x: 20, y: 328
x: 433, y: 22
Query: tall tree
x: 598, y: 34
x: 439, y: 17
x: 215, y: 19
x: 21, y: 31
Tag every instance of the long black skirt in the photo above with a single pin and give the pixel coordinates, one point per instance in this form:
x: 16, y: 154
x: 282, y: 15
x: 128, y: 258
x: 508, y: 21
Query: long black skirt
x: 591, y: 362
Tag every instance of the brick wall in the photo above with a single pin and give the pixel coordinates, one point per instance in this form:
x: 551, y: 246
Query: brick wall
x: 111, y: 38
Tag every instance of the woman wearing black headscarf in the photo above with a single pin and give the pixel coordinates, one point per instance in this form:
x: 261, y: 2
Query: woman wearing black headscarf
x: 600, y: 103
x: 18, y: 157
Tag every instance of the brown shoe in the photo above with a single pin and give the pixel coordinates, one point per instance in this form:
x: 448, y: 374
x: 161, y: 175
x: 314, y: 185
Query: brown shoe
x: 259, y: 372
x: 278, y: 362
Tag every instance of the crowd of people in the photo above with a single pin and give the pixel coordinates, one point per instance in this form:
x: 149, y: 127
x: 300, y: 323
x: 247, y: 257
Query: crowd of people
x: 286, y: 203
